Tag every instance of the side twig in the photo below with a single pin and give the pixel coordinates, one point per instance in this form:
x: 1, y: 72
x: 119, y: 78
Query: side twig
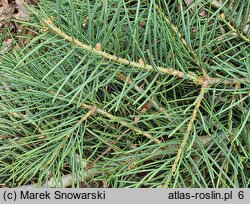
x: 121, y: 121
x: 186, y: 136
x: 230, y: 24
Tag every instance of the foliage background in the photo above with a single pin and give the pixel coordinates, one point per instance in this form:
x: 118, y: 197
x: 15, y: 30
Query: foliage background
x: 70, y: 112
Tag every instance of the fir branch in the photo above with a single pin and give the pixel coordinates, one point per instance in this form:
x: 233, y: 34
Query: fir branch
x: 186, y: 136
x: 155, y: 104
x: 233, y: 29
x: 170, y: 71
x: 230, y: 23
x: 121, y: 121
x: 179, y: 35
x: 62, y: 106
x: 104, y: 153
x: 21, y: 116
x: 114, y: 58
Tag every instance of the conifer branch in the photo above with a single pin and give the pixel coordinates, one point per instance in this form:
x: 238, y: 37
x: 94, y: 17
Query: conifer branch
x: 230, y: 25
x: 233, y: 29
x: 121, y: 121
x: 169, y: 70
x: 189, y: 129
